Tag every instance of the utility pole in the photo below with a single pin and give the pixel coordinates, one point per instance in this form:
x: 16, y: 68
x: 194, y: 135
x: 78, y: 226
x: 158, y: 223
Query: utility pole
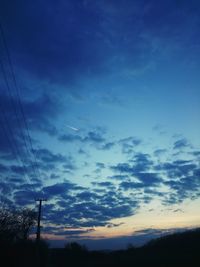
x: 39, y: 218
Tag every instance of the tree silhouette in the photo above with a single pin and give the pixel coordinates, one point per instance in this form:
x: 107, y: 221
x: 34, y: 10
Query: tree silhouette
x: 15, y: 225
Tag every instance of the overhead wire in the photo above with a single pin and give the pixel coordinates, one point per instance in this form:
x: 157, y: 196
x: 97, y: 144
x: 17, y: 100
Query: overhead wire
x: 30, y: 151
x: 19, y: 100
x: 9, y: 132
x: 13, y: 106
x: 11, y: 142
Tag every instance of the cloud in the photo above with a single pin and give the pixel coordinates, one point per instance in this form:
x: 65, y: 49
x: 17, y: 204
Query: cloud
x: 87, y: 196
x: 131, y: 185
x: 48, y: 165
x: 119, y: 177
x: 17, y: 143
x: 159, y: 128
x: 122, y: 168
x: 129, y: 144
x: 87, y: 39
x: 178, y: 210
x: 26, y: 196
x: 112, y: 225
x: 149, y: 179
x: 186, y: 187
x: 67, y: 232
x: 83, y: 152
x: 100, y: 165
x: 182, y: 180
x: 69, y: 138
x: 59, y: 189
x: 139, y: 171
x: 91, y: 137
x: 77, y: 207
x: 104, y: 184
x: 74, y: 206
x: 145, y: 180
x: 72, y: 44
x: 142, y: 173
x: 155, y: 233
x: 96, y: 138
x: 54, y: 176
x: 108, y: 146
x: 76, y: 233
x: 41, y: 112
x: 47, y: 156
x: 22, y: 170
x: 5, y: 188
x: 195, y: 153
x: 159, y: 152
x: 38, y: 115
x: 70, y: 166
x: 181, y: 143
x: 176, y: 169
x: 141, y: 163
x: 130, y: 140
x: 3, y: 168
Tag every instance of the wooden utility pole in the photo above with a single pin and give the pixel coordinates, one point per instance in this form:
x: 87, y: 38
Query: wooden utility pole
x: 39, y: 218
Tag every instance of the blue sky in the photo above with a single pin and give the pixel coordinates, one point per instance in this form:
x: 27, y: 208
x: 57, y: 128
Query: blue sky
x: 110, y: 96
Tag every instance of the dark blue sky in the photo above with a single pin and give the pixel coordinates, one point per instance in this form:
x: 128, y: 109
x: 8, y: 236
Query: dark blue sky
x: 101, y: 116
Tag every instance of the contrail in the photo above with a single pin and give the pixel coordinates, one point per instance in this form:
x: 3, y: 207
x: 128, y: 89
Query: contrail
x: 72, y: 128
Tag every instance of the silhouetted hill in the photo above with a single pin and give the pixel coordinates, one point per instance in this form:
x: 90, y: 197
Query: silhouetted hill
x: 174, y: 250
x: 179, y: 249
x: 187, y: 239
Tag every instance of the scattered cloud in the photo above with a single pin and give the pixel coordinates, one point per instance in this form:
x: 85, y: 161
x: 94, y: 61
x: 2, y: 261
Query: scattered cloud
x: 159, y: 152
x: 129, y: 144
x: 108, y: 146
x: 181, y: 143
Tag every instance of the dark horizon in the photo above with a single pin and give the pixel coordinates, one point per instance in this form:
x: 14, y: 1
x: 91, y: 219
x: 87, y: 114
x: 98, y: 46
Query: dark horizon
x: 137, y: 240
x: 178, y: 249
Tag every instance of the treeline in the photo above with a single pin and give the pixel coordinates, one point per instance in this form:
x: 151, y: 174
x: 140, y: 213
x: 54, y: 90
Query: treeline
x: 16, y: 250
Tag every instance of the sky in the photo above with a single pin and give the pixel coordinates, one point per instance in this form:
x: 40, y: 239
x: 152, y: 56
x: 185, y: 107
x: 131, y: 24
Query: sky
x: 100, y: 105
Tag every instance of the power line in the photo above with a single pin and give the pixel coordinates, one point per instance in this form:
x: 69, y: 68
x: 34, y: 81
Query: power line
x: 7, y: 132
x: 34, y: 164
x: 12, y: 102
x: 19, y: 99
